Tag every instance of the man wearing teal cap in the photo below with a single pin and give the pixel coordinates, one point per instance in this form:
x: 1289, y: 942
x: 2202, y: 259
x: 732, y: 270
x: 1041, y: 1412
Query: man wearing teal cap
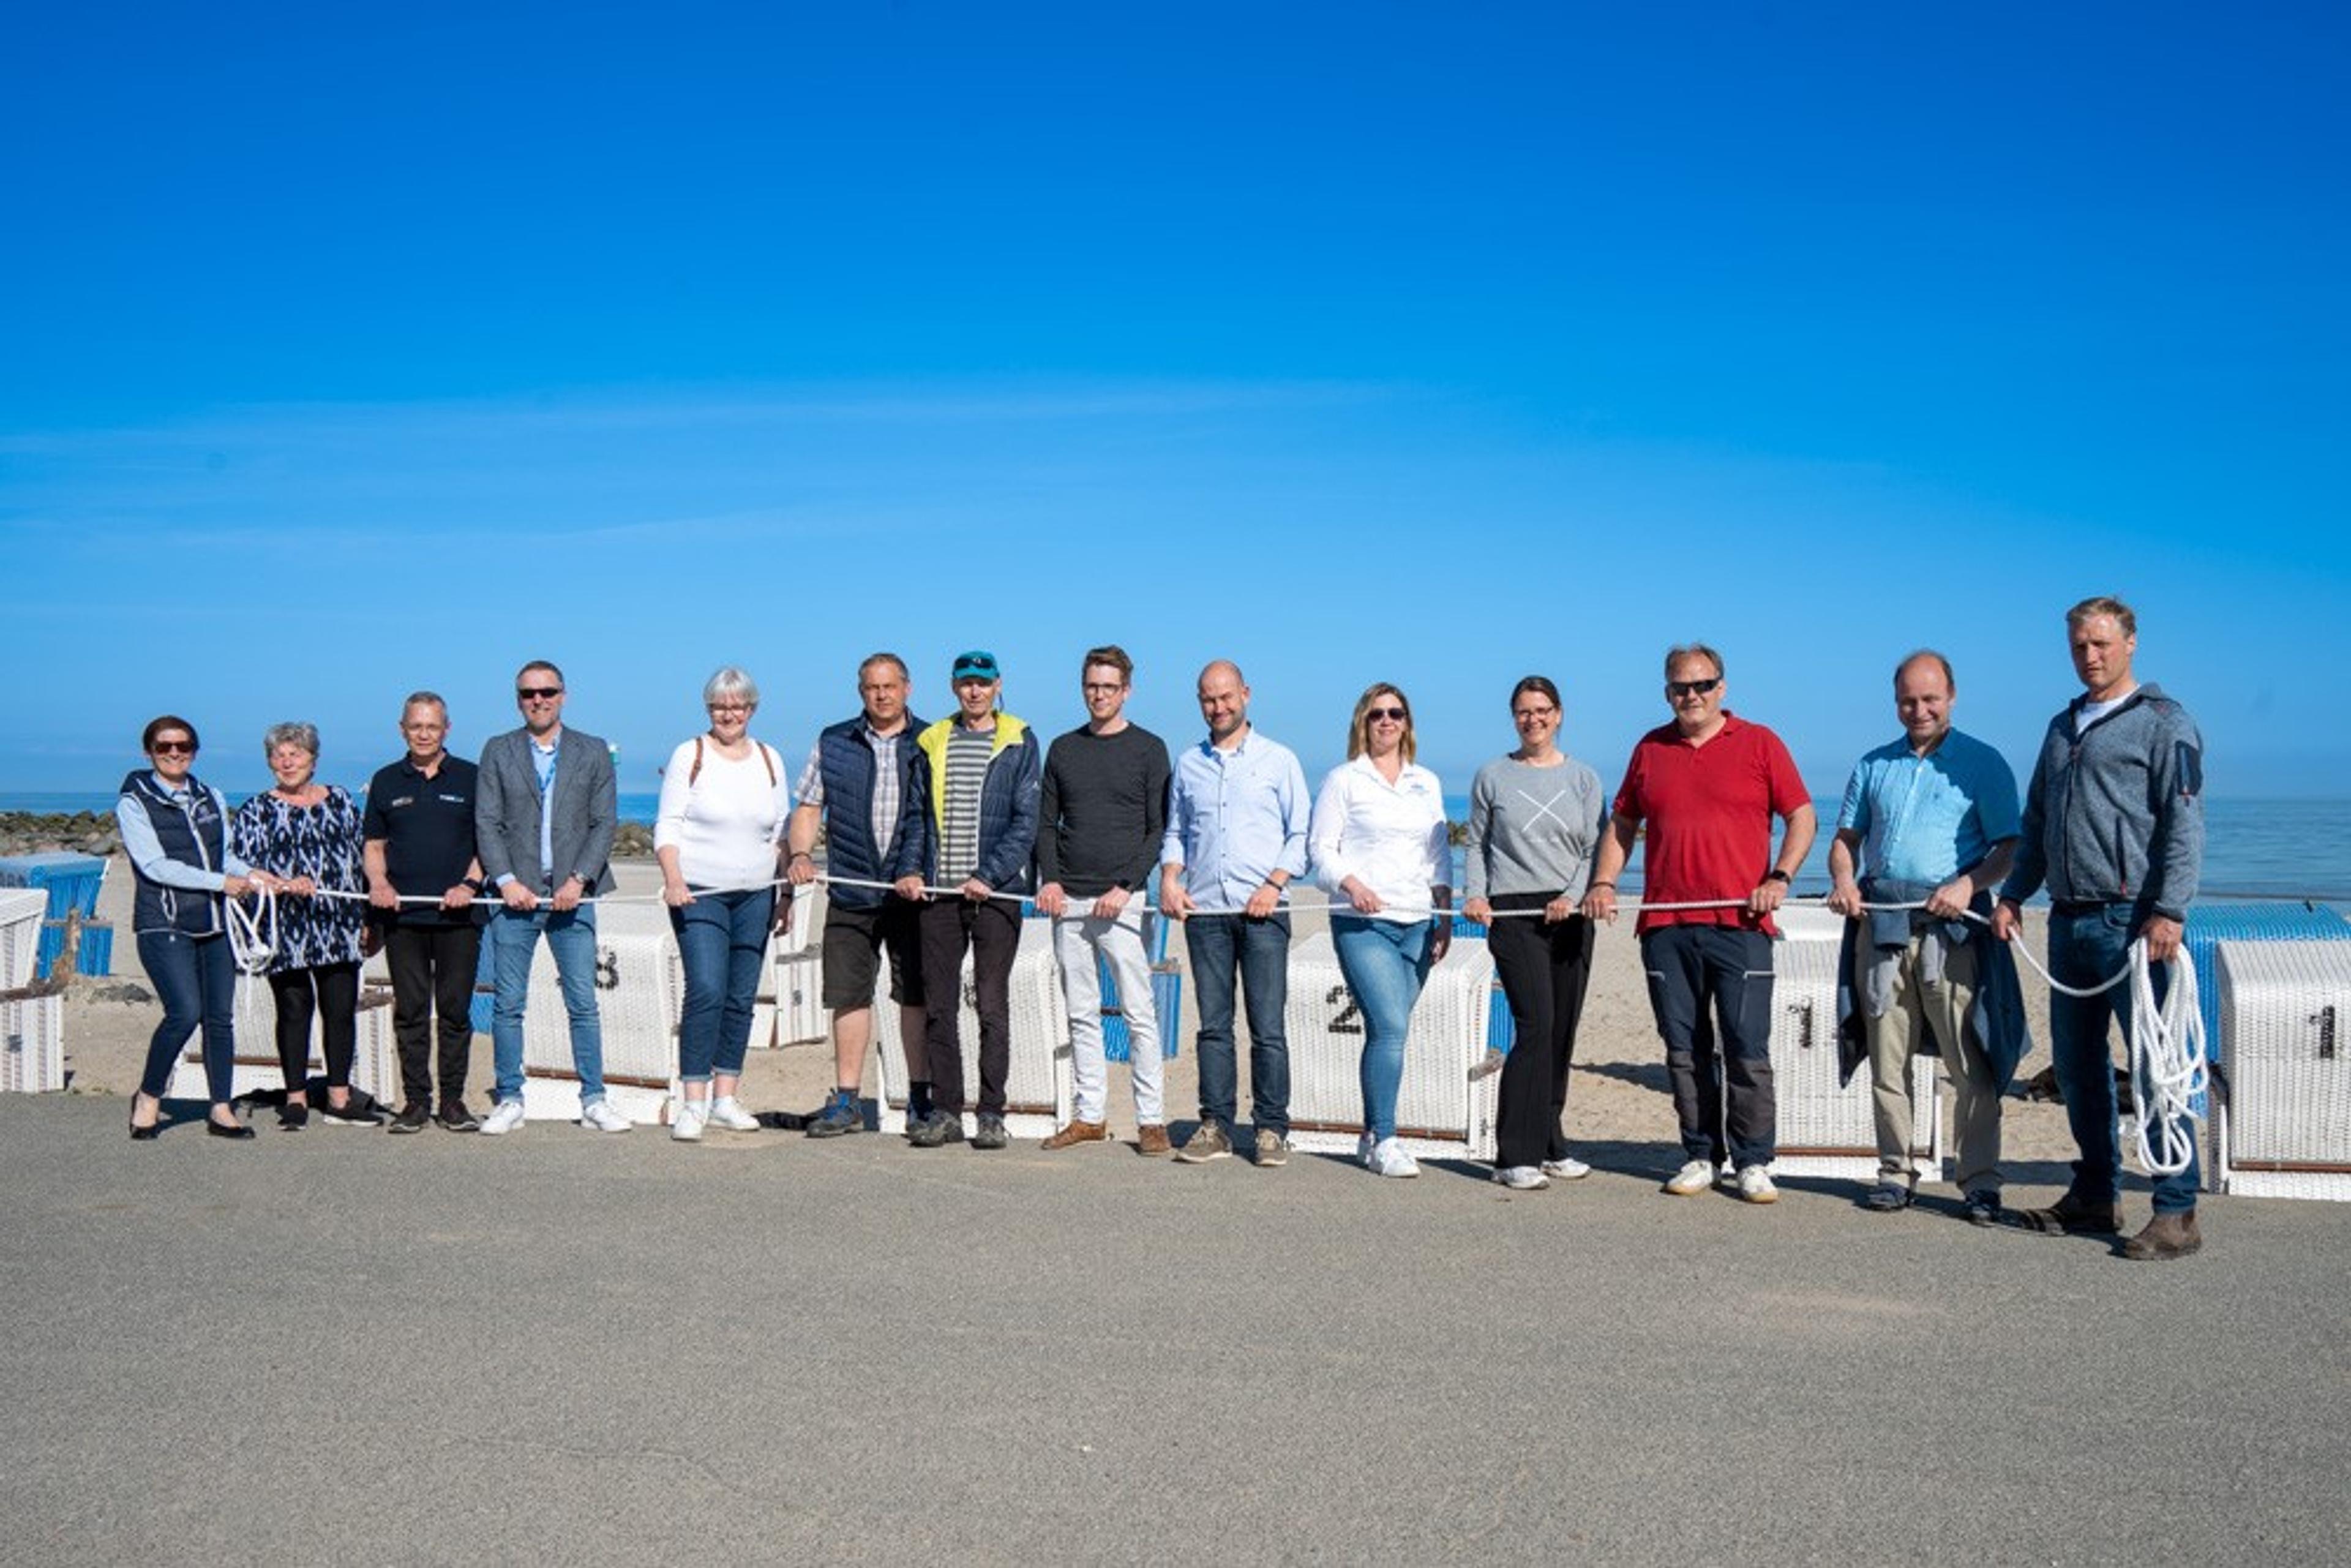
x: 971, y: 825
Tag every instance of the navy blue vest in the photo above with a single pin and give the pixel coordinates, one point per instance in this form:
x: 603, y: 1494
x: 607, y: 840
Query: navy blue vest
x: 846, y: 764
x: 197, y: 836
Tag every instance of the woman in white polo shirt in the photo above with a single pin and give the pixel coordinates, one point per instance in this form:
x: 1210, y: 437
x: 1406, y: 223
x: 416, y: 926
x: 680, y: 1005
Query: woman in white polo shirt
x: 724, y: 802
x: 1379, y: 842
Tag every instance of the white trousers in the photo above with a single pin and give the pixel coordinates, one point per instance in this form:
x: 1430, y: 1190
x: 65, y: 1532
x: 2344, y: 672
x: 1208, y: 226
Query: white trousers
x: 1078, y: 937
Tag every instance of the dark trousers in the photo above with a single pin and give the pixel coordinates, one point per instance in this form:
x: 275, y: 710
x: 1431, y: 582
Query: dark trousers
x: 1544, y: 968
x: 432, y: 969
x: 1702, y: 978
x: 990, y: 929
x: 195, y: 979
x: 333, y: 990
x: 2087, y: 945
x: 1225, y: 948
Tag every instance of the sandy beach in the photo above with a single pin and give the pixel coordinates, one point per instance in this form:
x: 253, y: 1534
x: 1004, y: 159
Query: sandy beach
x: 1618, y: 1103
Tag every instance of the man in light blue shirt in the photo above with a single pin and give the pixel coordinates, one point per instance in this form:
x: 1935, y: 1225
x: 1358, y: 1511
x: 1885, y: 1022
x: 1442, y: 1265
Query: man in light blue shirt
x: 1236, y: 838
x: 1933, y: 817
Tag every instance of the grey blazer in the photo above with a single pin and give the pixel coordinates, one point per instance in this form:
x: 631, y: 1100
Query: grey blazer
x: 586, y: 807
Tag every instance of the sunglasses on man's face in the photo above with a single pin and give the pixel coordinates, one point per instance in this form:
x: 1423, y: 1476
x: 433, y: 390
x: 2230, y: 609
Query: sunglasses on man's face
x: 1680, y: 689
x: 544, y: 694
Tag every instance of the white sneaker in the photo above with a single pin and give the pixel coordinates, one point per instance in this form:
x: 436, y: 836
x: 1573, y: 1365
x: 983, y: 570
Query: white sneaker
x: 1755, y: 1185
x: 685, y: 1127
x: 1566, y: 1168
x: 726, y: 1114
x: 1522, y: 1179
x: 1692, y: 1177
x: 599, y: 1116
x: 504, y: 1117
x: 1364, y: 1146
x: 1390, y: 1160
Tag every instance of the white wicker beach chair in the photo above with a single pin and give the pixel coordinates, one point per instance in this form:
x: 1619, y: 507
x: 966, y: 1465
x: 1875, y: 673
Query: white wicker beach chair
x: 1439, y: 1111
x: 1824, y: 1130
x: 32, y: 1043
x: 1037, y: 1088
x: 2283, y: 1125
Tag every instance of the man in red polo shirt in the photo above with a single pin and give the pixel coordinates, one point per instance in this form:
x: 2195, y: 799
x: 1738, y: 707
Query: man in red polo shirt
x: 1707, y: 786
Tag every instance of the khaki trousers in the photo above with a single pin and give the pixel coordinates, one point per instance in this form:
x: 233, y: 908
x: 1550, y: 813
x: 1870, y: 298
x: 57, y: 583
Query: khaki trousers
x: 1917, y: 1008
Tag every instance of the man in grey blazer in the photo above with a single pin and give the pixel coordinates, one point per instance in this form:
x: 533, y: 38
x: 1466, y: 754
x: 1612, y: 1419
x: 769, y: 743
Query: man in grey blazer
x: 544, y: 811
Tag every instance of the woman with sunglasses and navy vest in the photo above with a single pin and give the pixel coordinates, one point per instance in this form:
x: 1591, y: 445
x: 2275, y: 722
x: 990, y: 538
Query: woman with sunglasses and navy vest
x: 175, y: 832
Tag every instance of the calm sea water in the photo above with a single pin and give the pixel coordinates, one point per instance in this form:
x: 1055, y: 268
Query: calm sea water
x: 2258, y: 849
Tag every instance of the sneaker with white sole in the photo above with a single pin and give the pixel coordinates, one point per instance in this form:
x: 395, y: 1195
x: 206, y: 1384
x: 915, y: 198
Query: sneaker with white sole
x: 1566, y: 1168
x: 504, y: 1117
x: 1520, y: 1179
x: 1755, y: 1185
x: 727, y: 1114
x: 598, y: 1115
x: 1363, y: 1147
x: 1692, y: 1178
x: 692, y: 1115
x: 1388, y: 1159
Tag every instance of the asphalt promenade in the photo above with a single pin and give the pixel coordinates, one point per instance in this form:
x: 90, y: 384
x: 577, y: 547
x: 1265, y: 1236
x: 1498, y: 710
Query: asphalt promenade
x: 341, y: 1346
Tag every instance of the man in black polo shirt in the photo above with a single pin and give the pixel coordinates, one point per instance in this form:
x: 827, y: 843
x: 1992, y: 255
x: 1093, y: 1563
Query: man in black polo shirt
x: 419, y: 842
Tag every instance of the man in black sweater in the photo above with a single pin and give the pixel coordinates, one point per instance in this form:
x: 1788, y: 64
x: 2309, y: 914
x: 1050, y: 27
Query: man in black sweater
x: 1104, y: 810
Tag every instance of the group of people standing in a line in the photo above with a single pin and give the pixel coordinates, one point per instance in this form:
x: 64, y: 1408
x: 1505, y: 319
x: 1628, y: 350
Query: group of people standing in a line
x: 936, y: 832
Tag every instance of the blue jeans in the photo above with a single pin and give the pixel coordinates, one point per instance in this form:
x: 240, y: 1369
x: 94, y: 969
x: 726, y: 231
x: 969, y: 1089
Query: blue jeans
x: 1386, y: 963
x: 571, y: 937
x: 2087, y: 947
x: 721, y: 937
x: 197, y: 979
x: 1223, y: 948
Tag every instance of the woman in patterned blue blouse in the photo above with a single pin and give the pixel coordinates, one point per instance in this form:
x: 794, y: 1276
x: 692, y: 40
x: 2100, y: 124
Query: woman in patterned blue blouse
x: 308, y: 834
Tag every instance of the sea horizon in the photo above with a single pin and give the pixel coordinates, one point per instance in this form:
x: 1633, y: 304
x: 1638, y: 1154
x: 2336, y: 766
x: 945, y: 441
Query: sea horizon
x: 2256, y: 847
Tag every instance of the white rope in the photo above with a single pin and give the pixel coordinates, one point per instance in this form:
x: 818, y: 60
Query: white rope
x: 2168, y: 1063
x: 253, y: 933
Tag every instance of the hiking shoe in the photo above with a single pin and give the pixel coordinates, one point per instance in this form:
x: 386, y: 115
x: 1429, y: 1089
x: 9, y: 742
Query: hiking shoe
x: 457, y: 1119
x: 411, y: 1118
x: 726, y: 1114
x: 1151, y: 1139
x: 1207, y: 1143
x: 1078, y: 1133
x: 1692, y: 1178
x: 598, y: 1115
x: 692, y: 1116
x: 1388, y: 1159
x: 1272, y: 1148
x: 1887, y: 1197
x: 2073, y: 1214
x: 1755, y: 1185
x: 989, y: 1134
x: 940, y: 1127
x: 840, y: 1114
x: 1567, y: 1167
x: 504, y: 1117
x: 2167, y: 1236
x: 1520, y: 1179
x: 1983, y: 1206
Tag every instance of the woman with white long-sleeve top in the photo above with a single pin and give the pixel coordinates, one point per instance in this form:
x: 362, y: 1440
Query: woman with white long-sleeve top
x: 1379, y: 841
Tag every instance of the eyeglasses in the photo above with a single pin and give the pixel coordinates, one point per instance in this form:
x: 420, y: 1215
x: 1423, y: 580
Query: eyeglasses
x: 730, y: 707
x: 1102, y: 688
x: 1680, y: 689
x: 1398, y: 713
x: 544, y: 694
x: 173, y: 748
x: 1529, y: 714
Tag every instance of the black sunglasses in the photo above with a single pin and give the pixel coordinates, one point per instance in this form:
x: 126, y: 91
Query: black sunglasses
x: 1395, y: 713
x: 1692, y: 688
x: 173, y: 748
x: 544, y: 693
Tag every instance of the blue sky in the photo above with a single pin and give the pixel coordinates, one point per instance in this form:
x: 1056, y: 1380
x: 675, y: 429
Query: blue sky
x: 350, y: 352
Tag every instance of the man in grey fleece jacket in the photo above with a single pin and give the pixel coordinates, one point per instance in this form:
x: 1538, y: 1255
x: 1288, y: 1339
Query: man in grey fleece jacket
x: 2114, y: 825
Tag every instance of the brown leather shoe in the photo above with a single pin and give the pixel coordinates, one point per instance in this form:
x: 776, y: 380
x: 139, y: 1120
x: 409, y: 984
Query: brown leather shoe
x: 1077, y: 1133
x: 2166, y: 1236
x: 1151, y: 1139
x: 2073, y: 1214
